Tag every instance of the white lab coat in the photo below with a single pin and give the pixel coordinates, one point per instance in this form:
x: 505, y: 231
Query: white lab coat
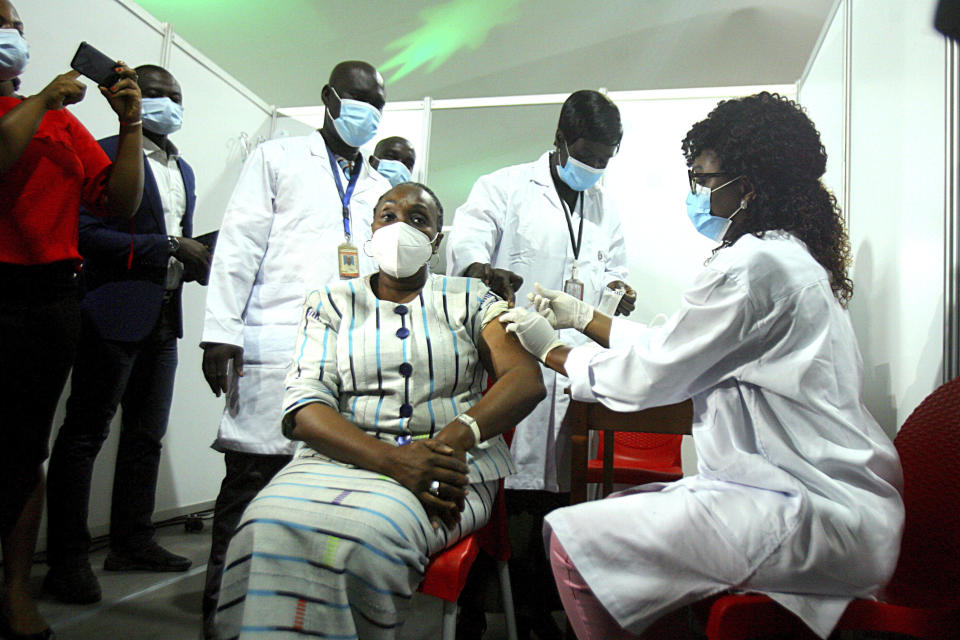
x: 514, y: 220
x: 798, y: 489
x: 280, y: 231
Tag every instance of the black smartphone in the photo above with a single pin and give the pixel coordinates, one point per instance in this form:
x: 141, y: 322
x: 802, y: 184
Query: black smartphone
x: 209, y: 240
x: 89, y: 61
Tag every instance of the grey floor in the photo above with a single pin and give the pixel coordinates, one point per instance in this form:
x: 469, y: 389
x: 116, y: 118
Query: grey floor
x: 160, y: 606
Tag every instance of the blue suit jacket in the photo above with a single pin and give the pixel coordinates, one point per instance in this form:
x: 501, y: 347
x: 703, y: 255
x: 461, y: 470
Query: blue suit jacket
x: 124, y: 304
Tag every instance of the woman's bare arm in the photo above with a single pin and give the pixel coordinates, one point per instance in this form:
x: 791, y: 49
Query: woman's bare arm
x: 517, y: 390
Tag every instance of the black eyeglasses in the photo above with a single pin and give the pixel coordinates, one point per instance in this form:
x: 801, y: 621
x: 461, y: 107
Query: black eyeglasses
x: 698, y: 178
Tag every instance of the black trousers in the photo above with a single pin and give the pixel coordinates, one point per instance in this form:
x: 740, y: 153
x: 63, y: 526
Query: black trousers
x: 246, y: 475
x: 138, y: 377
x: 39, y: 329
x: 531, y: 578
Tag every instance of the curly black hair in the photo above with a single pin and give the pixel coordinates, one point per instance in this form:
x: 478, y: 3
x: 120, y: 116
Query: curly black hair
x: 769, y: 140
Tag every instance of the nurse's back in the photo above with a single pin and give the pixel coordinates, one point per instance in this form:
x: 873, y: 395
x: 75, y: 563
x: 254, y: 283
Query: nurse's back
x: 791, y: 419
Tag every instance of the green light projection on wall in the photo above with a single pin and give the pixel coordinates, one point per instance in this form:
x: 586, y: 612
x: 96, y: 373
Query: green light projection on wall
x: 447, y: 28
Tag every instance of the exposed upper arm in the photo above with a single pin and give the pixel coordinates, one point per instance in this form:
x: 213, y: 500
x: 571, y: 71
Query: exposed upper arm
x: 501, y: 352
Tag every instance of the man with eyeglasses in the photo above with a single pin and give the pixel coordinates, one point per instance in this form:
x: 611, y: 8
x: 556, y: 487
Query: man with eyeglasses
x: 547, y: 223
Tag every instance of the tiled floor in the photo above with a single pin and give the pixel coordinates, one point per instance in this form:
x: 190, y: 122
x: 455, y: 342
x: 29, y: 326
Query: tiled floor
x: 165, y: 606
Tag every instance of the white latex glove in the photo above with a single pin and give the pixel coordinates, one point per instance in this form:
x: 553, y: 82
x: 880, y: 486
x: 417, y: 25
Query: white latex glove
x: 561, y: 310
x: 534, y: 332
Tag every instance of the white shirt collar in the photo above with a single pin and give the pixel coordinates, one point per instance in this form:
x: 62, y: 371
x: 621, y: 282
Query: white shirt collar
x: 151, y: 148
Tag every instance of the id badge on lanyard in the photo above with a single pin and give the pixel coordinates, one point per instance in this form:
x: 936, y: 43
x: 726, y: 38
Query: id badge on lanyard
x: 348, y: 258
x: 573, y: 286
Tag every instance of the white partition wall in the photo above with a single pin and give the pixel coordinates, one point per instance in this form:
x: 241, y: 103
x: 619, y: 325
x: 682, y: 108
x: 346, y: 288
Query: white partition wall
x: 218, y: 110
x: 54, y: 28
x: 893, y: 67
x: 821, y: 92
x: 221, y: 120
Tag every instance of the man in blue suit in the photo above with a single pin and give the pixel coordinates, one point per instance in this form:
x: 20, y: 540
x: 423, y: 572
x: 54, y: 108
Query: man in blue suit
x: 133, y: 272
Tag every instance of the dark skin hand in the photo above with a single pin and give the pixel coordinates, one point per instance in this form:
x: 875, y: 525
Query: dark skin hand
x: 503, y: 282
x: 196, y: 260
x: 414, y: 465
x: 629, y: 299
x: 125, y: 186
x: 216, y: 365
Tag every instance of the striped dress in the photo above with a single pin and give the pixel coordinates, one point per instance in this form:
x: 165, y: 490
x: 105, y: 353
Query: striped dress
x: 333, y: 551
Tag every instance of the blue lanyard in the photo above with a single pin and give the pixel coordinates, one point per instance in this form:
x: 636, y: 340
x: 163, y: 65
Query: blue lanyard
x: 345, y: 197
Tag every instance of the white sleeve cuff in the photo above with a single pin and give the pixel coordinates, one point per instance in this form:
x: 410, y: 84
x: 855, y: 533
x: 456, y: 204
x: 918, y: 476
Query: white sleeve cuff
x: 216, y: 335
x: 578, y: 371
x: 465, y: 256
x: 621, y: 332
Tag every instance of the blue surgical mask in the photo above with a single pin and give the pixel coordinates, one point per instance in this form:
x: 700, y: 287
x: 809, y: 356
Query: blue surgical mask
x: 698, y: 210
x: 394, y: 171
x: 358, y: 121
x: 161, y: 115
x: 14, y: 54
x: 578, y: 175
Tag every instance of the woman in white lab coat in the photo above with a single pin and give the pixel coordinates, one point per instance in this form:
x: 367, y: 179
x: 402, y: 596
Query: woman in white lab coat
x: 798, y: 488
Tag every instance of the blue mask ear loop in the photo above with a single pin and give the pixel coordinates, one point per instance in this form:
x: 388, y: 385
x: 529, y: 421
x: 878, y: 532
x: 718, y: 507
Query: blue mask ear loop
x: 740, y: 209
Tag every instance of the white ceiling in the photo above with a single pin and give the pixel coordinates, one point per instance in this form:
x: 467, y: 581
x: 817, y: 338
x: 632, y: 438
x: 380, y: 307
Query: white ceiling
x: 283, y: 49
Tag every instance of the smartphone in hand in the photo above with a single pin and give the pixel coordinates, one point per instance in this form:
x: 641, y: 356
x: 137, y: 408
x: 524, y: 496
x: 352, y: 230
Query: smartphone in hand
x: 95, y: 65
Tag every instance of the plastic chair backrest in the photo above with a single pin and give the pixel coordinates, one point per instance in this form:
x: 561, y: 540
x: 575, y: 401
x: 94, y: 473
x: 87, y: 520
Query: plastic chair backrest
x: 653, y: 450
x: 928, y: 571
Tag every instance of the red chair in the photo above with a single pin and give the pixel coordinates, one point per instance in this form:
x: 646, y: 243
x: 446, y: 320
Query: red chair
x: 923, y: 597
x: 448, y: 570
x: 638, y: 458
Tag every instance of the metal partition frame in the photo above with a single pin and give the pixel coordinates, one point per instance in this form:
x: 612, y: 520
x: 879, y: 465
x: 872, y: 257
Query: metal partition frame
x: 951, y: 222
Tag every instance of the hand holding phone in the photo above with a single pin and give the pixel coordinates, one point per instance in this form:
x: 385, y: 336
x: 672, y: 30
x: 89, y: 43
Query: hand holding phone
x: 117, y: 81
x: 124, y: 96
x: 95, y: 65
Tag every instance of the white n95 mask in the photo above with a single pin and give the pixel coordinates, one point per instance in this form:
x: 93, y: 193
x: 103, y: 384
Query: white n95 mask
x: 400, y: 249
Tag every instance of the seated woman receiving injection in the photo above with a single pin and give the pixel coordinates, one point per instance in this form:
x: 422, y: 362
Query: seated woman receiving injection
x: 401, y: 455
